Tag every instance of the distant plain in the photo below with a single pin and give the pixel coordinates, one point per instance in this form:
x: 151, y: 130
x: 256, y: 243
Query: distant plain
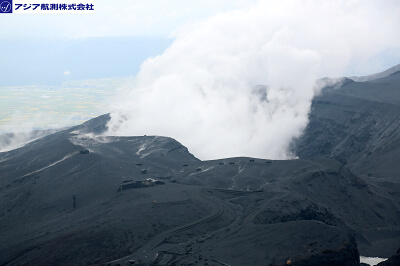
x: 43, y: 107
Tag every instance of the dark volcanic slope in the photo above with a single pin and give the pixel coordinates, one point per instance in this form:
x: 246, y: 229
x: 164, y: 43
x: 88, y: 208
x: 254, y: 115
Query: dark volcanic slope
x: 359, y: 125
x: 37, y: 183
x: 237, y: 211
x: 325, y: 187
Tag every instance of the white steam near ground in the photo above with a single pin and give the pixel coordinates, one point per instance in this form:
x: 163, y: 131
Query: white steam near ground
x: 24, y: 128
x: 242, y: 82
x: 371, y: 260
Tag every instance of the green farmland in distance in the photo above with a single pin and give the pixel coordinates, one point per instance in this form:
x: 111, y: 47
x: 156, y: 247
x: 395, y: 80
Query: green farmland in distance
x: 43, y: 107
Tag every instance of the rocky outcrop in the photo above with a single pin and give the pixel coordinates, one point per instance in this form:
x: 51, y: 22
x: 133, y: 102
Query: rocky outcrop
x: 345, y: 255
x: 392, y: 261
x: 357, y: 124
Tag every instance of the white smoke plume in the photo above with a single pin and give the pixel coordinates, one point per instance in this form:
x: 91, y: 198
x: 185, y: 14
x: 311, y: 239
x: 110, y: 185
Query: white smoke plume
x: 205, y: 89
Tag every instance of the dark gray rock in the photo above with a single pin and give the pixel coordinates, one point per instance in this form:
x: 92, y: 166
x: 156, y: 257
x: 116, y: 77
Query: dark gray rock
x: 392, y: 261
x: 236, y: 211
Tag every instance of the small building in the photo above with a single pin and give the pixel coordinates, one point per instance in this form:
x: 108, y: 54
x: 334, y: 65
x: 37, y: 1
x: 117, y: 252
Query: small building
x: 84, y: 151
x: 149, y: 182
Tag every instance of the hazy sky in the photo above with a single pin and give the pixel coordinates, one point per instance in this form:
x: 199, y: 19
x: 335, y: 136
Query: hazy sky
x: 118, y: 18
x: 115, y: 40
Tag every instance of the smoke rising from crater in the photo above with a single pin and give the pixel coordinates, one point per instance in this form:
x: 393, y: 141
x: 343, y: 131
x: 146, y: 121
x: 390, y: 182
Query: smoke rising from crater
x: 241, y: 83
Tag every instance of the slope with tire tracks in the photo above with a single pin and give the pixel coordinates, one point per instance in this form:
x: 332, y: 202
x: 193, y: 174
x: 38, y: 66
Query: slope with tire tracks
x: 148, y: 252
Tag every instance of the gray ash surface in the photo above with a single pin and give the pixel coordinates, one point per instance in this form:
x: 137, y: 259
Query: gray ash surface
x: 340, y: 199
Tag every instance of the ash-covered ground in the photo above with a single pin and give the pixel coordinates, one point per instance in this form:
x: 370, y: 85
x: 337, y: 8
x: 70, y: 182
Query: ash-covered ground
x: 76, y: 197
